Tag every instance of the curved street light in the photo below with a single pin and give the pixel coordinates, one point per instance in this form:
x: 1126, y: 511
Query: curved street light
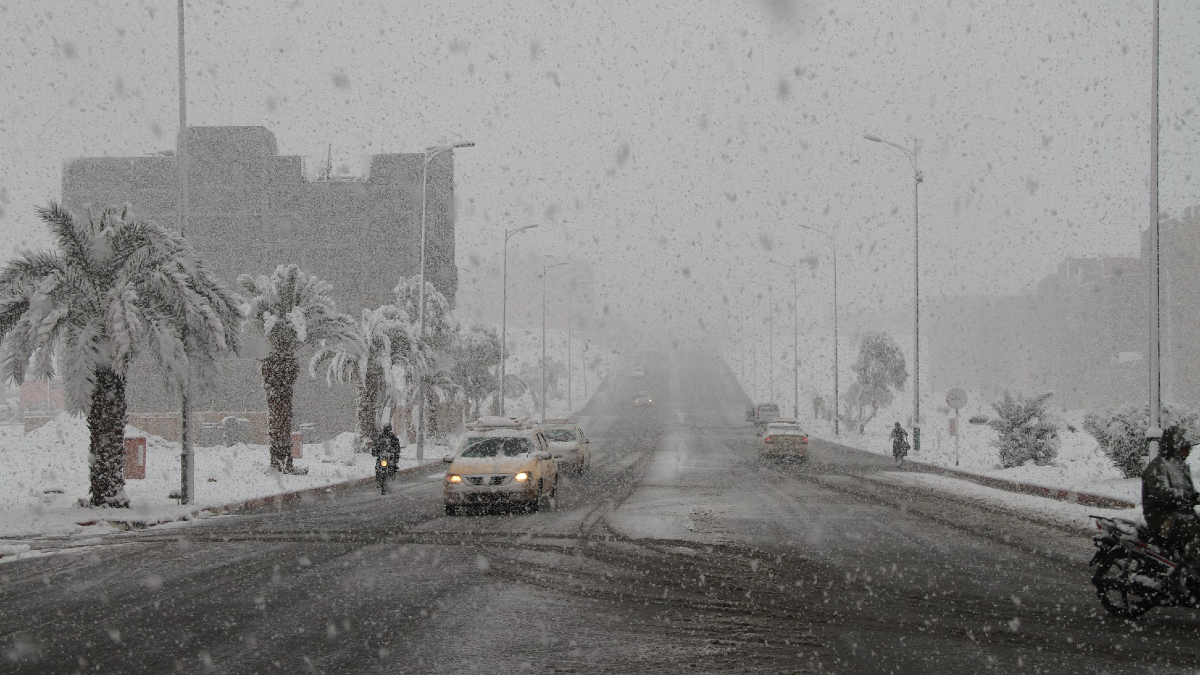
x: 545, y: 270
x: 508, y: 234
x: 795, y: 338
x: 917, y: 178
x: 430, y: 154
x: 836, y: 403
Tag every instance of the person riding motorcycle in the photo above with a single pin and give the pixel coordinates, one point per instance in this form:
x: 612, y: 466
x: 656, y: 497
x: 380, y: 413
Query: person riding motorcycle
x: 1169, y: 497
x: 386, y: 445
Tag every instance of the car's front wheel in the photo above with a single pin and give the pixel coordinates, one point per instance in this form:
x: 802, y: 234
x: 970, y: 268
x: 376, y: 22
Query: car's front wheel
x: 451, y: 510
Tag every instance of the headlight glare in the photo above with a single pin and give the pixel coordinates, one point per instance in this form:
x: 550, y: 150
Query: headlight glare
x: 454, y: 478
x: 521, y: 477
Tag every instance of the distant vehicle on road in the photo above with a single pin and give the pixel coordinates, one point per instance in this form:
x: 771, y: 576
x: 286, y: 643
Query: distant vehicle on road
x: 501, y: 460
x: 783, y: 439
x: 568, y: 445
x: 642, y: 400
x: 638, y: 372
x: 764, y: 413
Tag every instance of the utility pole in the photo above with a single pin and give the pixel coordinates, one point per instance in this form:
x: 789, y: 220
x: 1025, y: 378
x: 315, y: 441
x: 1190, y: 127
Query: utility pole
x: 187, y: 457
x: 545, y: 270
x: 1156, y: 419
x: 794, y: 268
x: 570, y: 404
x: 918, y: 177
x: 754, y: 343
x: 833, y: 243
x: 429, y: 156
x: 508, y: 234
x: 771, y: 341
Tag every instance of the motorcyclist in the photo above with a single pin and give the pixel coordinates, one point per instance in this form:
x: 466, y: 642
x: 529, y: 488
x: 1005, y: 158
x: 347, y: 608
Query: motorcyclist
x: 1168, y: 495
x: 386, y: 445
x: 899, y: 444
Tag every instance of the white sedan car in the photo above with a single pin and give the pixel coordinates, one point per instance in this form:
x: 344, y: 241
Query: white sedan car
x: 568, y: 445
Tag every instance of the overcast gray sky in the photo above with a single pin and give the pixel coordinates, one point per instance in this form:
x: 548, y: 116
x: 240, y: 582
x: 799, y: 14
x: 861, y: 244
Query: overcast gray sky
x: 674, y: 144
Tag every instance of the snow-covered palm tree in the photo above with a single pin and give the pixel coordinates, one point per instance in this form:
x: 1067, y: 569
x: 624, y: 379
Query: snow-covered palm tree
x: 376, y: 357
x: 291, y: 309
x: 113, y: 288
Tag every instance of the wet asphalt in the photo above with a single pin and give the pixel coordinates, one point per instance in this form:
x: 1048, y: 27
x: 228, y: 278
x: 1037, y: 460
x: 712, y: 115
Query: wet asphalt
x: 678, y: 552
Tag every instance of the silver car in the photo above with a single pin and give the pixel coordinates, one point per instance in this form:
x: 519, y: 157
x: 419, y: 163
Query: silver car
x: 568, y: 445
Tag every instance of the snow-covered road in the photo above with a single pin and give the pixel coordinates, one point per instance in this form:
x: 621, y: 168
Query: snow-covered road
x: 678, y: 552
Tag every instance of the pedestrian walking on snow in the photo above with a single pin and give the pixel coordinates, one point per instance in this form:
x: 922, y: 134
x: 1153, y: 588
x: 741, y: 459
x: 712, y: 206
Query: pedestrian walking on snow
x: 899, y: 444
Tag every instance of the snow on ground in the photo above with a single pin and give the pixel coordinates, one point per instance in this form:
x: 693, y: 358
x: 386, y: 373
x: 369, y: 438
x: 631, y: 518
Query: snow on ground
x: 46, y: 472
x: 1080, y: 465
x: 1066, y: 514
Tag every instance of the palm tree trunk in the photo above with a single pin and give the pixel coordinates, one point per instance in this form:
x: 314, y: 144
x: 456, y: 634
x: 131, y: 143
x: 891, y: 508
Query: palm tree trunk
x: 106, y: 427
x: 367, y: 408
x: 279, y: 371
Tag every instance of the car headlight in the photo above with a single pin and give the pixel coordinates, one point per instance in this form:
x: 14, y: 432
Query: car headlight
x: 454, y: 478
x: 521, y: 477
x: 383, y: 462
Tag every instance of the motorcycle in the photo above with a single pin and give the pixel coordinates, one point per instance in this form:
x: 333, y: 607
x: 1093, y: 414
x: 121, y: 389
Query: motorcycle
x: 1137, y: 571
x: 385, y: 469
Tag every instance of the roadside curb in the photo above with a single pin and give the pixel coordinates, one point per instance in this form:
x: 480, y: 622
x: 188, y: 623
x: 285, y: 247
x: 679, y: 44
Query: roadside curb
x: 1062, y: 495
x: 256, y: 502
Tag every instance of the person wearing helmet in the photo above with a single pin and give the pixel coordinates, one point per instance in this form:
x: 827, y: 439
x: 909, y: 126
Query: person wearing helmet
x: 387, y: 445
x: 1169, y: 497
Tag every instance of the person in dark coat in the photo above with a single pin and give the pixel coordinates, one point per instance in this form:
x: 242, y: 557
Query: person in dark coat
x: 899, y: 444
x: 386, y: 445
x: 1169, y: 497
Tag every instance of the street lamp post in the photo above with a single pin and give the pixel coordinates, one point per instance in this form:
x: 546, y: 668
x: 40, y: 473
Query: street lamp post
x: 754, y: 354
x: 917, y: 178
x: 508, y: 234
x: 836, y: 404
x: 187, y: 458
x: 570, y: 293
x: 545, y: 269
x: 430, y: 154
x: 795, y: 339
x: 771, y: 342
x: 1156, y: 420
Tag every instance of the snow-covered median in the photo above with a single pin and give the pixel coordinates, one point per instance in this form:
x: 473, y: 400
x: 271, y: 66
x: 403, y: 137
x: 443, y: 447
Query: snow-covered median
x: 1079, y: 467
x: 46, y: 476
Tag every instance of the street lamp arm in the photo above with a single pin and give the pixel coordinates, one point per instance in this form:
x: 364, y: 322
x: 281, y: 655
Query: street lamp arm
x: 815, y: 229
x: 509, y: 233
x: 912, y: 157
x: 433, y: 151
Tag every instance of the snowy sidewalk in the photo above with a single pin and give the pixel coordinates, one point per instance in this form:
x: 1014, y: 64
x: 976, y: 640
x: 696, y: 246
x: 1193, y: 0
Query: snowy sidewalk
x: 1079, y: 474
x: 1074, y: 516
x: 47, y: 472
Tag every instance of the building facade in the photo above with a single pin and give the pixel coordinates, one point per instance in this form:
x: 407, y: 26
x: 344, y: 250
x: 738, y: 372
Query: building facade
x: 1084, y: 333
x: 251, y: 209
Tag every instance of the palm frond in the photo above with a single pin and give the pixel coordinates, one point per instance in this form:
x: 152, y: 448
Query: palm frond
x: 74, y: 241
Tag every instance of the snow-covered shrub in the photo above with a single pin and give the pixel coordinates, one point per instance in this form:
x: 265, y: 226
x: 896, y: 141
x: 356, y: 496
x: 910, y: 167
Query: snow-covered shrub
x: 1028, y: 431
x: 1121, y: 433
x: 978, y: 419
x: 881, y: 374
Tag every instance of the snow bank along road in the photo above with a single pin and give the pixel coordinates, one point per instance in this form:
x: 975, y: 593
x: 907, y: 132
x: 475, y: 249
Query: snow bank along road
x: 678, y: 553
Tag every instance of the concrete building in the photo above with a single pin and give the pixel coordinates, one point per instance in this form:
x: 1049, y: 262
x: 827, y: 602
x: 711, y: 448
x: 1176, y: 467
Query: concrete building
x: 252, y: 209
x: 1084, y: 334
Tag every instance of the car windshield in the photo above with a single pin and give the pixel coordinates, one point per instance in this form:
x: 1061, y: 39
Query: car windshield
x: 490, y: 446
x: 561, y: 435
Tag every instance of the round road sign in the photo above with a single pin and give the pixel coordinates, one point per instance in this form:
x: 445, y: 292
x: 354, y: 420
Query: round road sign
x: 956, y: 398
